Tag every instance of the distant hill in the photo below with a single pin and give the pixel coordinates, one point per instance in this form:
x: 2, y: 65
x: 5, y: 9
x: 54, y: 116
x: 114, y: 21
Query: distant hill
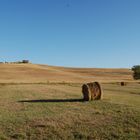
x: 33, y: 73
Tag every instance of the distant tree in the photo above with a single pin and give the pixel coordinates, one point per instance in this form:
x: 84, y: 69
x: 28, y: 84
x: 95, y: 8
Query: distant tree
x: 136, y: 72
x: 25, y: 61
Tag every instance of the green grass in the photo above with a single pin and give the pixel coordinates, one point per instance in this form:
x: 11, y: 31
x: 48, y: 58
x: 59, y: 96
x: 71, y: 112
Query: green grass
x: 40, y: 112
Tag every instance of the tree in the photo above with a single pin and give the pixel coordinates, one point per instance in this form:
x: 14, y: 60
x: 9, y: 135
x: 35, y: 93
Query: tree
x: 136, y: 72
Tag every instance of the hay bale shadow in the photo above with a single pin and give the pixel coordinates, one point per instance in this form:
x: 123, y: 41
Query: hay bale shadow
x: 51, y: 101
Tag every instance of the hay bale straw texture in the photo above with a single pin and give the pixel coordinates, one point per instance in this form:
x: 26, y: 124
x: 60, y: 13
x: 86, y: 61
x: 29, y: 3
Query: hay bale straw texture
x: 92, y: 91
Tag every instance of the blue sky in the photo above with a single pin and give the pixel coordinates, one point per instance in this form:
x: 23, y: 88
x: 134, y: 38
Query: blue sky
x: 78, y: 33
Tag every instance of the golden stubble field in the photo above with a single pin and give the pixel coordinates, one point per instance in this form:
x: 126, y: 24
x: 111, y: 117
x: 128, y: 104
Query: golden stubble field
x: 31, y: 73
x: 40, y: 102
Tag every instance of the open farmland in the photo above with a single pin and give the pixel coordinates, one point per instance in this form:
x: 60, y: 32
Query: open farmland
x: 31, y: 73
x: 44, y: 102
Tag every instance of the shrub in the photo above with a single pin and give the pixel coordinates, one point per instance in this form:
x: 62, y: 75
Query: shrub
x: 136, y: 72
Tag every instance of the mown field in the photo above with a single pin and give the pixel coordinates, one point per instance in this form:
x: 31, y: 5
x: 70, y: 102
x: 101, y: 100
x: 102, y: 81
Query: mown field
x: 56, y: 112
x: 32, y: 73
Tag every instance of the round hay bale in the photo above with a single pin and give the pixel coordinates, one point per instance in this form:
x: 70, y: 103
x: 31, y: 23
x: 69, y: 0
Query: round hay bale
x: 123, y: 84
x: 92, y: 91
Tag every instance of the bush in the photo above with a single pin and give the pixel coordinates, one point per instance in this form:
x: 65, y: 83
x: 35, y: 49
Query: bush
x: 136, y: 70
x: 25, y: 61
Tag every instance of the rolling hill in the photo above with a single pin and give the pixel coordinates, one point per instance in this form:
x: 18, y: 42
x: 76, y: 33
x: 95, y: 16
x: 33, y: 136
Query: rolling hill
x: 31, y: 108
x: 33, y: 73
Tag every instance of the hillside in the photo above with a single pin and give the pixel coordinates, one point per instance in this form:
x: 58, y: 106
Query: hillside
x: 33, y: 73
x: 56, y: 111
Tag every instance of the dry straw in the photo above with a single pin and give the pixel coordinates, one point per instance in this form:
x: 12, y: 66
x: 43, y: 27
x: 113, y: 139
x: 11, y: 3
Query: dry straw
x: 92, y: 91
